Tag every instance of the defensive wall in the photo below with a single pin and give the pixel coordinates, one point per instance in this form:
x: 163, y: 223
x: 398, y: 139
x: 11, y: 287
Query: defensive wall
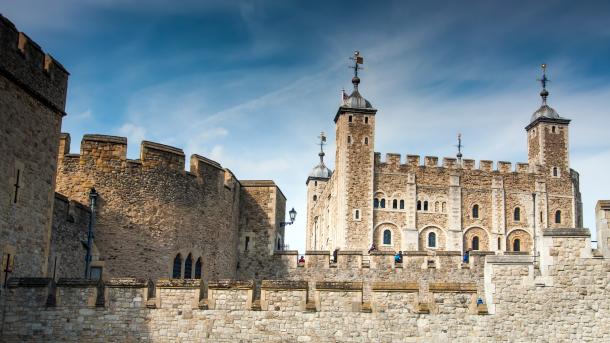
x: 566, y: 299
x: 151, y: 209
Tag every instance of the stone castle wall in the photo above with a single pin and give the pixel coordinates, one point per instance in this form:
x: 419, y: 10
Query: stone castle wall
x: 567, y: 302
x: 32, y: 101
x: 151, y: 209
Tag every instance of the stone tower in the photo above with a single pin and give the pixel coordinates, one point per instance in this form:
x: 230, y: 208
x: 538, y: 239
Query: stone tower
x: 354, y: 166
x: 547, y: 139
x: 316, y: 182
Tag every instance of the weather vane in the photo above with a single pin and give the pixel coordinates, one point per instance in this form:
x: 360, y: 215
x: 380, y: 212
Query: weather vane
x: 357, y: 61
x: 544, y: 93
x: 322, y: 138
x: 459, y: 146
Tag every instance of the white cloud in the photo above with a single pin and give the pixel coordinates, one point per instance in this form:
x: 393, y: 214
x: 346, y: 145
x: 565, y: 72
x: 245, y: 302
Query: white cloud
x: 135, y: 135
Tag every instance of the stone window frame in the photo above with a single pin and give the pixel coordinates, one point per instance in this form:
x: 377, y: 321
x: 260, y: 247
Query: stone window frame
x: 365, y: 141
x: 350, y: 118
x: 478, y: 211
x: 383, y: 236
x: 349, y: 139
x: 401, y: 204
x: 441, y: 237
x: 517, y: 212
x: 555, y: 172
x: 357, y: 214
x: 524, y: 236
x: 484, y: 236
x: 431, y: 234
x: 195, y: 254
x: 366, y: 119
x: 315, y: 197
x: 557, y: 217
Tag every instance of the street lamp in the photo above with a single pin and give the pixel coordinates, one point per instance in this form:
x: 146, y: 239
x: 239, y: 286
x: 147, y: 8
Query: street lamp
x: 293, y: 215
x: 92, y: 200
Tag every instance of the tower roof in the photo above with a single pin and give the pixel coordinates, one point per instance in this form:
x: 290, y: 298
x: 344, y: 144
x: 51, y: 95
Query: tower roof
x: 355, y: 102
x: 320, y: 171
x: 545, y: 112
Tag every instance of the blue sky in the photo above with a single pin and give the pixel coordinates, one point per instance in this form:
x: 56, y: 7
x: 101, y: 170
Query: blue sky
x: 252, y: 83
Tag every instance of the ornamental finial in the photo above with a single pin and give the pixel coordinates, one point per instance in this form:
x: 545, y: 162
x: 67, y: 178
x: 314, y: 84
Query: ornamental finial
x: 357, y: 61
x: 543, y: 81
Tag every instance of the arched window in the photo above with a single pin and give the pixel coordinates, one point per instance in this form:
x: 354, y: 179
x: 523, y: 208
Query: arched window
x: 366, y: 140
x: 402, y: 204
x: 444, y: 207
x: 475, y: 243
x: 436, y: 206
x: 432, y: 240
x: 425, y: 205
x: 517, y: 245
x: 315, y: 198
x: 198, y: 269
x: 558, y: 217
x: 555, y: 171
x: 499, y: 243
x: 382, y: 203
x: 188, y: 267
x: 394, y: 204
x: 387, y: 237
x: 376, y: 203
x: 419, y: 205
x: 475, y: 211
x: 177, y: 270
x: 517, y: 214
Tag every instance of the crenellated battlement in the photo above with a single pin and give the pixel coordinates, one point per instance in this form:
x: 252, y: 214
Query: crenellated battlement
x: 109, y: 153
x: 394, y: 161
x: 25, y: 63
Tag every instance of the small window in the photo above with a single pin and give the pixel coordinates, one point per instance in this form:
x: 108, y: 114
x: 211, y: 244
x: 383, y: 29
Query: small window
x: 387, y: 237
x: 357, y: 214
x: 95, y: 273
x: 475, y: 243
x: 436, y: 206
x: 499, y: 243
x: 394, y: 204
x: 555, y: 172
x: 366, y: 120
x: 419, y: 205
x: 349, y: 119
x: 553, y: 129
x: 425, y: 205
x: 402, y: 204
x: 177, y: 270
x: 376, y: 203
x: 475, y: 211
x: 198, y: 269
x: 366, y: 140
x: 517, y: 214
x: 558, y: 217
x: 432, y: 240
x: 315, y: 198
x: 247, y: 244
x: 188, y: 267
x: 382, y: 203
x: 444, y: 207
x: 315, y: 183
x: 279, y: 244
x: 349, y: 139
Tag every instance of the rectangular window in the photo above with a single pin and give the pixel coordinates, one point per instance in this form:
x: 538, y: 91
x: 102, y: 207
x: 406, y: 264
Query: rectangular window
x: 247, y: 243
x: 349, y: 119
x: 357, y: 214
x: 96, y: 273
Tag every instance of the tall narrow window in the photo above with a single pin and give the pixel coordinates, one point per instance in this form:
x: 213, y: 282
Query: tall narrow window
x: 177, y: 270
x: 188, y: 267
x: 425, y: 205
x: 475, y: 243
x: 198, y: 269
x: 279, y: 245
x: 247, y: 243
x: 366, y: 120
x: 499, y: 243
x: 17, y: 185
x: 419, y: 205
x: 394, y: 204
x: 402, y: 204
x: 315, y: 198
x: 475, y: 211
x: 555, y: 171
x: 349, y: 119
x: 349, y: 139
x: 444, y: 207
x: 387, y: 237
x: 517, y: 214
x: 517, y: 245
x: 558, y: 217
x: 366, y: 140
x: 382, y: 203
x: 432, y: 240
x: 357, y: 214
x: 376, y: 203
x: 553, y: 129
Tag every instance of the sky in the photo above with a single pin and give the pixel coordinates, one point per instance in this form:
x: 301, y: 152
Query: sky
x: 251, y: 84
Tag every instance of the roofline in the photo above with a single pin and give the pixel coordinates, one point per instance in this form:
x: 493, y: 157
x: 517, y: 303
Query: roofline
x: 316, y: 178
x: 344, y: 109
x: 547, y: 120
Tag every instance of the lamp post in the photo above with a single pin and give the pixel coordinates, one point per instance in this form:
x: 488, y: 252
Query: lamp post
x: 293, y: 215
x: 92, y: 199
